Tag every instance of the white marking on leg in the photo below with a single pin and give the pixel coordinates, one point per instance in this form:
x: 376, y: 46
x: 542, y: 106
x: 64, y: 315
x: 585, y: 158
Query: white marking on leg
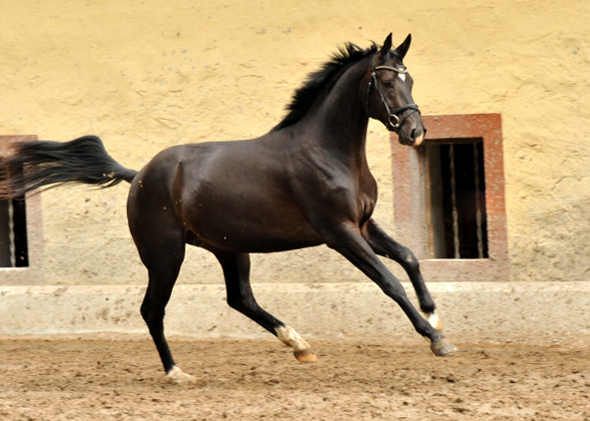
x: 290, y: 337
x: 434, y: 321
x: 179, y: 377
x: 301, y: 348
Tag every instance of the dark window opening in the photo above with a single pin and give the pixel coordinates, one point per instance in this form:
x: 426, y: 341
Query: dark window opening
x: 13, y: 232
x: 457, y: 199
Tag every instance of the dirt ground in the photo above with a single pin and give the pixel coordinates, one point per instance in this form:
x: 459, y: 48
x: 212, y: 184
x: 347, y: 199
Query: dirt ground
x: 82, y: 378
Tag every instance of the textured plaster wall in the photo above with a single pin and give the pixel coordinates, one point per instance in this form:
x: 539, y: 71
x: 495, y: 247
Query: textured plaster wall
x: 145, y: 75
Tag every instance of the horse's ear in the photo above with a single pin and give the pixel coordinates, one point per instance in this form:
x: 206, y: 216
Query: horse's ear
x: 404, y: 47
x: 386, y: 47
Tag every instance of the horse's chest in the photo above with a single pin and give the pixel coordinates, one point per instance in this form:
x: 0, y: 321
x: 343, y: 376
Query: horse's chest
x: 367, y: 202
x: 367, y: 195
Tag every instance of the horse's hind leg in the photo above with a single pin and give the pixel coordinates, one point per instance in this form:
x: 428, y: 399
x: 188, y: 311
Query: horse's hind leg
x: 162, y: 253
x: 384, y: 245
x: 161, y: 282
x: 236, y: 270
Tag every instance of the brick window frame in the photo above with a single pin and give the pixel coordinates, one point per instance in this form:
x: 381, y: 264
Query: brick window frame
x: 32, y: 274
x: 410, y: 197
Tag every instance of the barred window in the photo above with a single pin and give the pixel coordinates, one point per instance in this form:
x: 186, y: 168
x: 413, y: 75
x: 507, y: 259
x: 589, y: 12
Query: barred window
x: 448, y: 194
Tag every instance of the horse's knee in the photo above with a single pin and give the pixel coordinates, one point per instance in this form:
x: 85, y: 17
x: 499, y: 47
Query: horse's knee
x: 243, y: 303
x: 151, y: 316
x: 236, y: 303
x: 409, y: 260
x: 394, y: 289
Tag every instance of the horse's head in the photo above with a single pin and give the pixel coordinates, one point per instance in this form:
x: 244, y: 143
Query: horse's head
x: 389, y: 94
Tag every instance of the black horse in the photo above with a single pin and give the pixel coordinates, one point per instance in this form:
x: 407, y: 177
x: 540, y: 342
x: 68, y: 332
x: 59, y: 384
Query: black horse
x: 305, y: 183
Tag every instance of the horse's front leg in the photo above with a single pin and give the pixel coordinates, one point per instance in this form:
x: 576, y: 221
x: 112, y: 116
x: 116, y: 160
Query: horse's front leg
x: 384, y: 245
x: 236, y: 270
x: 349, y: 242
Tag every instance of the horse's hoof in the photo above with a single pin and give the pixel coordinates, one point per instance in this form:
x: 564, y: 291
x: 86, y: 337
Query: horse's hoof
x: 176, y: 375
x: 305, y: 356
x: 441, y: 348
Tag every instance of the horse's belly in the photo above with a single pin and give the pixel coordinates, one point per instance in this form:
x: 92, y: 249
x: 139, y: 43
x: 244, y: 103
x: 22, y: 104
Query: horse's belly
x: 248, y: 241
x: 251, y: 230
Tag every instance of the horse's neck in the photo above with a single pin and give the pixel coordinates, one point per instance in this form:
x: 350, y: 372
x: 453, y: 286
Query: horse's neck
x: 342, y: 117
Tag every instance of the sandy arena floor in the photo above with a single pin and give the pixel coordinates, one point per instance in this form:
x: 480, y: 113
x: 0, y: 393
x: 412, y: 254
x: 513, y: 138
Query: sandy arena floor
x: 80, y: 378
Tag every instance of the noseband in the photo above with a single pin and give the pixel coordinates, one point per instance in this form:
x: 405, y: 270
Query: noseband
x: 394, y: 121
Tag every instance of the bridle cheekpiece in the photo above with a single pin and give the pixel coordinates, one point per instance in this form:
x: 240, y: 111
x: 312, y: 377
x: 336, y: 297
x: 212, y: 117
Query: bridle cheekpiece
x: 394, y: 121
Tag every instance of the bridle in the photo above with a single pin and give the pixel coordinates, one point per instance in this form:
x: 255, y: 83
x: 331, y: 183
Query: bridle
x: 394, y: 121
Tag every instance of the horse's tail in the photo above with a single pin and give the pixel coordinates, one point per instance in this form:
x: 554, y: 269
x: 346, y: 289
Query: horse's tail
x: 32, y: 165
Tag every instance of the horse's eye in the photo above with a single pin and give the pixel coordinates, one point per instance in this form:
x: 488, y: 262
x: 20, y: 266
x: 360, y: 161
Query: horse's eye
x: 387, y: 84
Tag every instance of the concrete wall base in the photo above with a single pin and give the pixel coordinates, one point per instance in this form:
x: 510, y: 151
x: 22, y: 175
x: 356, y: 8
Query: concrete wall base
x: 490, y: 312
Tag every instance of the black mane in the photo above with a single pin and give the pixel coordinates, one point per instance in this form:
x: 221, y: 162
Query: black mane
x: 316, y: 81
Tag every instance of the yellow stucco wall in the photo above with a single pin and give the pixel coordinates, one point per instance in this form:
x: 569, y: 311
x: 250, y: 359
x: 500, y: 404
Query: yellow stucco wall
x: 145, y: 75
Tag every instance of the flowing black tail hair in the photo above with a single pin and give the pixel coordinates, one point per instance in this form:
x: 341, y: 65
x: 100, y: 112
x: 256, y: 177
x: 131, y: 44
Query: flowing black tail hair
x: 32, y: 165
